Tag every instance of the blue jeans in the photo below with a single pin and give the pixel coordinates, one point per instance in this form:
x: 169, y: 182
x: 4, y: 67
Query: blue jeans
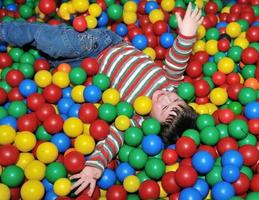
x: 61, y: 43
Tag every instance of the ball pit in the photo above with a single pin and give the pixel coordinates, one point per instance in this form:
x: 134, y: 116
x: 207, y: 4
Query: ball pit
x: 51, y: 119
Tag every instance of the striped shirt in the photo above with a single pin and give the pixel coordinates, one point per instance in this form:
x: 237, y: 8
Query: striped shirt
x: 134, y: 74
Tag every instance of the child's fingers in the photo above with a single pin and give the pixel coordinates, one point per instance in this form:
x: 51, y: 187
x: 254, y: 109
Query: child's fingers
x: 189, y: 9
x: 194, y: 13
x: 75, y: 176
x: 201, y: 20
x: 91, y: 188
x: 76, y: 184
x: 81, y: 188
x: 179, y: 19
x: 198, y: 16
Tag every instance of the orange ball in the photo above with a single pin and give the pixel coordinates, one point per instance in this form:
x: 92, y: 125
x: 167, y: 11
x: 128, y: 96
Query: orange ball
x: 252, y: 83
x: 64, y: 67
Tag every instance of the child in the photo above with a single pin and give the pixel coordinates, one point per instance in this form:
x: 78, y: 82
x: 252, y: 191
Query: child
x: 131, y: 72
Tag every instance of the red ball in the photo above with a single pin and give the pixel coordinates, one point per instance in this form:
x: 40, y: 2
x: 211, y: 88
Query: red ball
x: 88, y: 113
x: 223, y: 45
x: 253, y: 126
x: 101, y: 3
x: 14, y: 77
x: 152, y: 40
x: 53, y: 124
x: 169, y: 183
x: 174, y: 196
x: 41, y: 64
x: 241, y: 185
x: 34, y: 101
x: 236, y: 8
x: 141, y: 7
x: 47, y: 6
x: 202, y: 100
x: 99, y: 129
x: 160, y: 27
x: 226, y: 116
x: 52, y: 93
x: 209, y: 149
x: 194, y: 69
x: 252, y: 34
x: 3, y: 96
x: 185, y: 147
x: 202, y: 88
x: 44, y: 111
x: 116, y: 192
x: 187, y: 162
x: 79, y: 23
x: 232, y: 17
x: 15, y: 95
x: 74, y: 162
x: 9, y: 155
x: 89, y: 81
x: 5, y: 60
x: 84, y: 195
x: 254, y: 183
x: 249, y: 55
x: 90, y: 65
x: 218, y: 78
x: 250, y: 154
x: 201, y: 56
x: 27, y: 122
x: 225, y: 144
x: 148, y: 29
x: 133, y: 32
x: 233, y: 78
x: 169, y: 156
x: 149, y: 189
x: 15, y: 193
x: 211, y: 8
x: 160, y: 52
x: 54, y: 22
x: 248, y: 16
x: 112, y: 165
x: 143, y: 20
x: 233, y: 90
x: 213, y: 19
x: 185, y: 176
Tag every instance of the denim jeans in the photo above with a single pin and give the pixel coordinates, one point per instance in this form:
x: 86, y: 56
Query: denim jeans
x: 61, y: 43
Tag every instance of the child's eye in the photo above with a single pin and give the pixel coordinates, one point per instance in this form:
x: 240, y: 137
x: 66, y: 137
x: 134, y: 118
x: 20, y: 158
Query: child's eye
x: 165, y: 107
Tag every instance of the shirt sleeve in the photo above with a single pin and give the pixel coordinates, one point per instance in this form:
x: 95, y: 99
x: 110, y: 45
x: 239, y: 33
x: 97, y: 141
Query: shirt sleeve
x: 178, y: 56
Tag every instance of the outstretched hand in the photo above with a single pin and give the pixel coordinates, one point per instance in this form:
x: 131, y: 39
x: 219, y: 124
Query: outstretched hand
x: 87, y: 177
x: 191, y: 21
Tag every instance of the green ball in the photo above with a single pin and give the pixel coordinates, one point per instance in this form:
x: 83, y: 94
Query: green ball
x: 238, y: 129
x: 133, y: 197
x: 246, y: 95
x: 125, y: 108
x: 248, y: 71
x: 27, y: 58
x: 159, y: 155
x: 155, y: 168
x: 109, y: 2
x: 42, y: 134
x: 27, y: 70
x: 244, y: 24
x: 235, y: 53
x: 107, y: 112
x: 209, y: 81
x: 77, y: 76
x: 249, y: 139
x: 218, y: 56
x: 142, y: 176
x: 133, y: 136
x: 219, y: 4
x: 7, y: 19
x: 17, y: 109
x: 54, y: 171
x: 151, y: 126
x: 256, y: 9
x: 123, y: 1
x: 124, y: 153
x: 204, y: 120
x: 4, y: 72
x: 173, y: 22
x: 138, y: 158
x: 12, y: 176
x: 3, y: 112
x: 209, y: 135
x: 115, y: 11
x: 186, y: 91
x: 209, y: 68
x: 26, y: 11
x: 15, y: 66
x: 218, y: 162
x: 254, y: 45
x: 193, y: 134
x: 214, y: 176
x: 236, y: 107
x: 252, y: 196
x: 5, y: 86
x: 223, y: 130
x: 212, y: 34
x: 16, y: 54
x: 35, y: 53
x: 236, y: 198
x: 6, y: 2
x: 102, y: 81
x: 247, y: 171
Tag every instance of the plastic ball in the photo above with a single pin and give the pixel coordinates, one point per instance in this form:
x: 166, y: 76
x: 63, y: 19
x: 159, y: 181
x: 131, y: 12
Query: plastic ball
x: 95, y: 9
x: 140, y: 41
x: 116, y: 192
x: 73, y: 127
x: 203, y: 162
x: 84, y: 144
x: 226, y: 65
x: 107, y: 112
x: 252, y: 110
x: 25, y: 141
x: 230, y: 173
x: 167, y: 5
x: 186, y: 91
x: 99, y: 129
x: 5, y: 192
x: 27, y: 87
x: 88, y: 113
x: 249, y: 55
x: 55, y: 171
x: 155, y: 168
x: 92, y: 94
x: 52, y: 93
x: 166, y: 40
x: 122, y: 122
x: 152, y: 144
x: 185, y: 147
x: 62, y: 187
x: 232, y: 157
x: 238, y: 129
x: 115, y: 11
x: 43, y: 78
x: 241, y: 185
x: 218, y: 96
x: 35, y: 170
x: 211, y: 47
x: 233, y: 29
x: 149, y: 189
x: 129, y: 17
x: 90, y: 65
x: 9, y: 155
x: 80, y: 5
x: 47, y: 152
x: 74, y: 162
x: 12, y: 176
x: 61, y: 141
x: 47, y: 6
x: 107, y: 179
x: 131, y: 183
x: 246, y: 95
x: 202, y: 187
x: 222, y: 190
x: 156, y: 15
x: 249, y: 154
x: 111, y: 96
x: 7, y: 134
x: 133, y: 136
x: 14, y: 77
x: 137, y: 158
x: 53, y: 124
x: 77, y: 93
x: 149, y: 6
x: 32, y: 189
x: 185, y: 176
x: 142, y: 105
x: 61, y: 79
x: 190, y: 193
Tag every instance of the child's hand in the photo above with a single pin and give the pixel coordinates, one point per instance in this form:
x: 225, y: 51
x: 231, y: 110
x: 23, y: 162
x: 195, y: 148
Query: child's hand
x: 191, y: 21
x: 87, y: 176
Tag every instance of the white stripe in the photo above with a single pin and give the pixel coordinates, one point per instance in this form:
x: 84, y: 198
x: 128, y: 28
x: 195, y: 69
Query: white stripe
x: 181, y: 51
x: 119, y: 133
x: 107, y: 57
x: 162, y: 80
x: 171, y: 65
x: 114, y: 141
x: 105, y: 145
x: 95, y: 163
x: 175, y: 59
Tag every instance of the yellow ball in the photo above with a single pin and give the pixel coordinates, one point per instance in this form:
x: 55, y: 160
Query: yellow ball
x: 35, y: 170
x: 86, y: 130
x: 84, y: 144
x: 233, y: 29
x: 168, y: 5
x: 156, y: 15
x: 5, y: 193
x: 7, y: 134
x: 103, y: 193
x: 130, y: 6
x: 200, y: 45
x: 226, y: 10
x: 218, y: 96
x: 32, y: 190
x: 172, y: 168
x: 95, y: 10
x: 61, y: 79
x: 80, y: 5
x: 43, y: 78
x: 226, y: 65
x: 64, y: 11
x: 242, y: 42
x: 202, y: 109
x: 193, y: 105
x: 150, y: 52
x: 129, y: 17
x: 77, y: 93
x: 24, y: 160
x: 212, y: 47
x: 111, y: 96
x: 122, y: 122
x: 25, y: 141
x: 47, y: 152
x: 131, y: 183
x: 163, y: 193
x: 142, y: 105
x: 73, y: 127
x: 242, y: 35
x: 211, y: 108
x: 199, y: 3
x: 91, y: 21
x: 62, y: 187
x: 201, y: 32
x: 70, y: 7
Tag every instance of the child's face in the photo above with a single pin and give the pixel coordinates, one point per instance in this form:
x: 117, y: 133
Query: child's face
x: 163, y: 103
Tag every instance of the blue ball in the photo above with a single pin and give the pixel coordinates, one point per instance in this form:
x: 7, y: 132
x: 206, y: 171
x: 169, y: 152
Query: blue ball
x: 202, y: 162
x: 47, y: 185
x: 221, y: 24
x: 92, y: 94
x: 252, y: 110
x: 232, y: 157
x: 3, y: 45
x: 202, y: 186
x: 66, y: 92
x: 230, y: 173
x: 107, y: 180
x: 123, y: 170
x: 9, y: 120
x: 62, y: 141
x: 140, y: 41
x: 166, y: 40
x: 11, y: 7
x: 151, y: 5
x: 50, y: 195
x: 152, y: 144
x: 64, y: 105
x: 103, y: 20
x: 222, y: 191
x: 74, y: 110
x: 64, y: 117
x: 27, y: 87
x: 190, y: 194
x: 172, y: 146
x: 121, y: 29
